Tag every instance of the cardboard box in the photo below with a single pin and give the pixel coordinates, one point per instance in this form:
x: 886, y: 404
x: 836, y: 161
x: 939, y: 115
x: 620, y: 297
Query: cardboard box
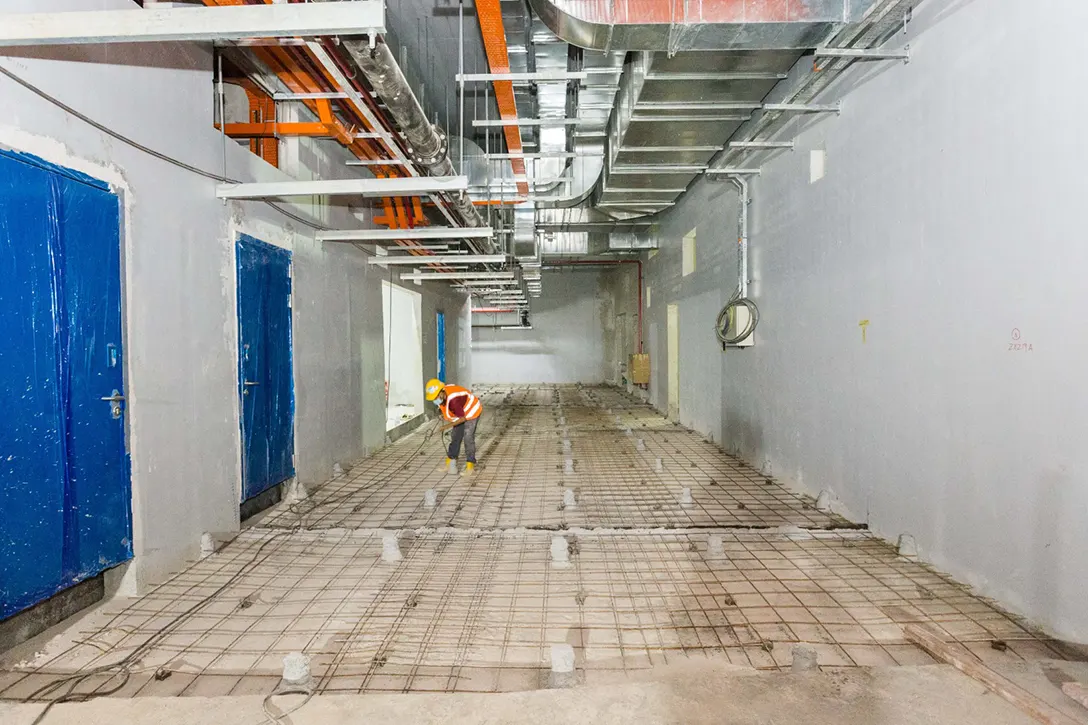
x: 638, y: 372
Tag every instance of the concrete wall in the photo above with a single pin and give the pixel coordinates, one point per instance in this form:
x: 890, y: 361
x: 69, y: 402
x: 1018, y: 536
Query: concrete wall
x: 179, y: 277
x: 950, y: 218
x: 402, y: 341
x: 332, y: 324
x: 621, y: 332
x: 712, y: 213
x: 567, y: 342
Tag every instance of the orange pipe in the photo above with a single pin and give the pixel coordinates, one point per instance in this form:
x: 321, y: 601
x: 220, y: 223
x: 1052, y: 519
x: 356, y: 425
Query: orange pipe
x: 299, y: 80
x: 489, y: 15
x: 499, y: 202
x: 272, y: 129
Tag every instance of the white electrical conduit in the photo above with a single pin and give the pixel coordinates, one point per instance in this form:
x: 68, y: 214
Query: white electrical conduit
x: 727, y: 317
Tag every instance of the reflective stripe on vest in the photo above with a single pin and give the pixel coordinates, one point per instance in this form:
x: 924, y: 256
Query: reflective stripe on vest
x: 472, y: 407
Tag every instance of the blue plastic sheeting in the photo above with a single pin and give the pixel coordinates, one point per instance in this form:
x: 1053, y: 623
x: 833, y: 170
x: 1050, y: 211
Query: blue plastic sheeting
x: 264, y: 366
x: 65, y: 502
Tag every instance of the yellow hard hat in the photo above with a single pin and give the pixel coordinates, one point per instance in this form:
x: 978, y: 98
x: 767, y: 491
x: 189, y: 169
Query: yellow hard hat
x: 433, y: 388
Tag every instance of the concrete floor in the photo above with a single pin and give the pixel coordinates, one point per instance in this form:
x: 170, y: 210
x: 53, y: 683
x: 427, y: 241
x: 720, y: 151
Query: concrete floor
x: 693, y: 694
x: 475, y: 602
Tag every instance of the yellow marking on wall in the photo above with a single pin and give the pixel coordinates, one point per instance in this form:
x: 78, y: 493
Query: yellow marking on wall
x: 863, y: 324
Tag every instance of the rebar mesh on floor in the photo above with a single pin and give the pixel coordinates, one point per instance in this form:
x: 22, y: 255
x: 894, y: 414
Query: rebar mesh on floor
x: 475, y: 604
x: 479, y: 611
x: 630, y: 469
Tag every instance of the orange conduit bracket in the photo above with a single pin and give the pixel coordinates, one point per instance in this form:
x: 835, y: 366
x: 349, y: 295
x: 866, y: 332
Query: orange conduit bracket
x: 300, y: 72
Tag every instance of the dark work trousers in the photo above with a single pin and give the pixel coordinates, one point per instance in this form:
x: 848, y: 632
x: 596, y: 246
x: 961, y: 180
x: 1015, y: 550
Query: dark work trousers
x: 466, y: 431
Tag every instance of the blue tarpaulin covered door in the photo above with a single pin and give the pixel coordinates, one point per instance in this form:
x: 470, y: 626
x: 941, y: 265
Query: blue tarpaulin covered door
x: 265, y: 384
x: 65, y: 502
x: 441, y: 342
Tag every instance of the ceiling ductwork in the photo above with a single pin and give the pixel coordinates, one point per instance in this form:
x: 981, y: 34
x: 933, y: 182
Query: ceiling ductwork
x: 675, y: 25
x: 672, y: 115
x: 585, y: 219
x: 573, y: 153
x: 523, y: 233
x: 572, y: 244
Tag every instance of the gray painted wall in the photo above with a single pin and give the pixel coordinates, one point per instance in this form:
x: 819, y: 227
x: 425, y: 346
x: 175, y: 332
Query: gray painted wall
x: 567, y: 342
x: 950, y: 215
x: 620, y: 284
x: 179, y: 286
x: 699, y: 297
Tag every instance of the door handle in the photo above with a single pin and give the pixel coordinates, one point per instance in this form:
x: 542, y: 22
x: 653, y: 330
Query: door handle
x: 246, y: 382
x: 115, y: 400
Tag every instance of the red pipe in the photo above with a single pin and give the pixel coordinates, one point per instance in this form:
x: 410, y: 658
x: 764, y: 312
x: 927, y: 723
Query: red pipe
x: 602, y: 263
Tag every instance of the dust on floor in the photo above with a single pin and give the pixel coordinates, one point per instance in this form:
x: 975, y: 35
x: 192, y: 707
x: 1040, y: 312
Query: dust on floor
x: 707, y: 692
x: 735, y: 568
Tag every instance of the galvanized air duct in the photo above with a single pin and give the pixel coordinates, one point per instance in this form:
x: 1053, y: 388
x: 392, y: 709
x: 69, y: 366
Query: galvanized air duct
x: 671, y: 26
x: 672, y: 114
x: 427, y: 143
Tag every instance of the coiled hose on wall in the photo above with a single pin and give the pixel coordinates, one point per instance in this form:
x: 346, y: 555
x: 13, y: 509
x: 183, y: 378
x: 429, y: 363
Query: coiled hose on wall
x: 725, y: 326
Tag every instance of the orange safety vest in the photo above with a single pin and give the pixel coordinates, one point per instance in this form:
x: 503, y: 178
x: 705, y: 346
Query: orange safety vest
x: 473, y: 406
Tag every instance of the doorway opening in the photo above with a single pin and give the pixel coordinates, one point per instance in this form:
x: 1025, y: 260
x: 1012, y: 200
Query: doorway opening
x: 403, y: 338
x: 673, y: 333
x: 440, y: 341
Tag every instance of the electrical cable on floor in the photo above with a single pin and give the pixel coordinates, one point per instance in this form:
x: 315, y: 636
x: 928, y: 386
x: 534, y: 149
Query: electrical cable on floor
x: 124, y: 667
x: 281, y: 689
x: 297, y: 507
x: 150, y: 151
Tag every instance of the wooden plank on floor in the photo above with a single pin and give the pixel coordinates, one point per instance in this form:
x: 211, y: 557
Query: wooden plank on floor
x: 957, y: 656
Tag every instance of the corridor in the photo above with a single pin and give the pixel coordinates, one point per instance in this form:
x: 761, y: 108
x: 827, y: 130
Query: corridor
x: 676, y: 552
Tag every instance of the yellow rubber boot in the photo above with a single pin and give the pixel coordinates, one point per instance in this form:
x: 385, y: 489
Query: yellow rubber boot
x: 470, y: 468
x: 445, y: 467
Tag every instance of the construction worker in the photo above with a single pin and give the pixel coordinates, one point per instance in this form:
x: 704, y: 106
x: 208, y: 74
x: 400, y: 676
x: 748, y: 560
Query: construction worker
x: 461, y: 410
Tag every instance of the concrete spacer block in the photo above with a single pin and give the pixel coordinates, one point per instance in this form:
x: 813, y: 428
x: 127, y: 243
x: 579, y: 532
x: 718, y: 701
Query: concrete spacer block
x: 804, y: 659
x: 390, y: 548
x: 659, y: 466
x: 430, y: 498
x: 823, y: 501
x: 640, y: 445
x: 562, y: 673
x: 560, y: 552
x: 907, y: 547
x: 296, y: 670
x: 685, y: 496
x: 715, y: 547
x: 568, y: 465
x: 568, y: 499
x: 294, y: 491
